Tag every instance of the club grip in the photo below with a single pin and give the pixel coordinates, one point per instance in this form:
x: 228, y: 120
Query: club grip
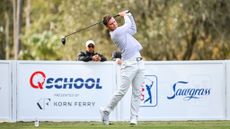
x: 127, y: 11
x: 117, y: 15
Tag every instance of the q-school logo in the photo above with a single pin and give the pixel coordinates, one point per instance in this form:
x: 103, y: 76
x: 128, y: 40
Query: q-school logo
x: 39, y: 80
x: 149, y: 91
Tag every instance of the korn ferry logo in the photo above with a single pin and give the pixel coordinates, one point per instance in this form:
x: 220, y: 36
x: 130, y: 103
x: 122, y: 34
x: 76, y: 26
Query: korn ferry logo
x: 39, y: 80
x: 149, y: 91
x: 43, y: 103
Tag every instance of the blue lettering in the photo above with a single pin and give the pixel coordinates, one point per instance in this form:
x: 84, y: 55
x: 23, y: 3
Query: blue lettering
x: 98, y: 84
x: 49, y: 81
x: 174, y: 89
x: 207, y: 91
x: 56, y: 83
x: 70, y: 83
x: 87, y: 83
x: 189, y: 93
x: 76, y: 83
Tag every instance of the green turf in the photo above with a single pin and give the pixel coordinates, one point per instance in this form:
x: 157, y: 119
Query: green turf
x: 120, y: 125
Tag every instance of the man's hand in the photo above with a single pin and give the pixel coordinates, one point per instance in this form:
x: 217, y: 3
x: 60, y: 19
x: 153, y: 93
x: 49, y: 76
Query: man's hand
x: 123, y: 13
x: 96, y: 58
x: 119, y: 61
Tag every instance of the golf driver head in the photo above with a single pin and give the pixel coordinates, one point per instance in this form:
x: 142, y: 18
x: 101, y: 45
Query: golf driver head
x: 63, y: 40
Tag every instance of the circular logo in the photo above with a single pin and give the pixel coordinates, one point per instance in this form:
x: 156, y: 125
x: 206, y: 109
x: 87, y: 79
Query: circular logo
x: 37, y: 79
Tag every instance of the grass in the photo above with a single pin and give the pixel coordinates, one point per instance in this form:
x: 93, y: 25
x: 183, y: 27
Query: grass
x: 121, y: 125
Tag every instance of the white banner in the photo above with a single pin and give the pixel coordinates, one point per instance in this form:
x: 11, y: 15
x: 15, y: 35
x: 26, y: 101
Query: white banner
x: 181, y: 91
x: 228, y: 89
x: 63, y: 90
x: 74, y: 91
x: 5, y: 91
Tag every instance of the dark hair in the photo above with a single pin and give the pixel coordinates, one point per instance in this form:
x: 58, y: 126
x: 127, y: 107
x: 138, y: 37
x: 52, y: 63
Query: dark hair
x: 116, y: 54
x: 106, y: 19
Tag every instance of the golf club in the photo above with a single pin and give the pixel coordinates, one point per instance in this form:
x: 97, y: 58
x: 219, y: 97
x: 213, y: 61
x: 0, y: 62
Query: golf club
x: 63, y: 39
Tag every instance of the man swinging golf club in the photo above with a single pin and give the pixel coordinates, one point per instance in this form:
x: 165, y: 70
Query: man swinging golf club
x: 132, y: 67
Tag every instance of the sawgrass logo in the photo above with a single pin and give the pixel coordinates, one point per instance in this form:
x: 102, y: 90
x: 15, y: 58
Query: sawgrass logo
x: 180, y: 88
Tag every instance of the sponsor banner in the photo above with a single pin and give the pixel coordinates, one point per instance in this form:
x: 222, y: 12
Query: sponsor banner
x: 180, y: 91
x: 63, y: 91
x: 5, y: 91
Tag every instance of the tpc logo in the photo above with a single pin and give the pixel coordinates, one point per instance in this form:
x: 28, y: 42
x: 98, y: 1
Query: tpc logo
x: 149, y: 91
x: 39, y: 80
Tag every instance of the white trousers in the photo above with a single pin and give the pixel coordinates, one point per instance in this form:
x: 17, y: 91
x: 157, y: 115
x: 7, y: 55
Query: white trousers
x: 132, y: 72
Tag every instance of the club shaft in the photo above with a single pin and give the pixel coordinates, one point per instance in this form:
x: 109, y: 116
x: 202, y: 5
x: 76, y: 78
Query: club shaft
x: 88, y: 26
x: 82, y: 29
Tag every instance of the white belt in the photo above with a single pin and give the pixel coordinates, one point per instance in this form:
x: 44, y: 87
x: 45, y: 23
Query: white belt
x: 135, y: 59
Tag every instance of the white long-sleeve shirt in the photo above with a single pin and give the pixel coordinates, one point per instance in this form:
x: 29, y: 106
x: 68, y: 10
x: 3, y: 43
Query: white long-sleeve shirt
x: 123, y: 37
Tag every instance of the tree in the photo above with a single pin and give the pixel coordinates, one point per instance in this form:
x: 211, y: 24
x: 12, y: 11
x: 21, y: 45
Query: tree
x: 17, y: 6
x: 182, y: 30
x: 6, y: 28
x: 167, y: 29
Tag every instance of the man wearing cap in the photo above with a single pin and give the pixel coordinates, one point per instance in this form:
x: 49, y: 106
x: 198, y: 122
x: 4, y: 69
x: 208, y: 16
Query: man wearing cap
x: 90, y: 54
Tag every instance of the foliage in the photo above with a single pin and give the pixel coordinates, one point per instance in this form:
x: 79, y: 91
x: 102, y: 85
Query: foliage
x: 42, y: 47
x: 5, y: 24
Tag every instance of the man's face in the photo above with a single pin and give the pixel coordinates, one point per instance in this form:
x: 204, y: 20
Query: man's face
x: 90, y: 48
x: 112, y: 24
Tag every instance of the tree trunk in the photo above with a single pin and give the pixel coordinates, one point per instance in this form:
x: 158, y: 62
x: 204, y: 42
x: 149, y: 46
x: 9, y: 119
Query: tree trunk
x: 7, y: 26
x: 15, y: 27
x: 190, y: 46
x: 28, y: 6
x: 17, y: 4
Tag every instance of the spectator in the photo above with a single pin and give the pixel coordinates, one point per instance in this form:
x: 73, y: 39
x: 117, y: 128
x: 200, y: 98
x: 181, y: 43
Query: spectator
x: 90, y: 54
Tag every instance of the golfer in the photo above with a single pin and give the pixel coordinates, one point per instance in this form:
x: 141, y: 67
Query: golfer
x: 132, y: 67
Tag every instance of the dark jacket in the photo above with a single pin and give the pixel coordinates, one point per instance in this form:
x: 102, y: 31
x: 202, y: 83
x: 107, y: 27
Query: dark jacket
x: 87, y: 56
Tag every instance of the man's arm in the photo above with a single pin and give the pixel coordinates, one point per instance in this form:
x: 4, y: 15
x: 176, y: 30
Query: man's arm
x: 84, y: 57
x: 133, y: 28
x: 129, y: 25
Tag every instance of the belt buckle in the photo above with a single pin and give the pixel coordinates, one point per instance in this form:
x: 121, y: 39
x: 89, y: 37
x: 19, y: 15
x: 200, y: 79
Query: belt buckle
x: 138, y: 58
